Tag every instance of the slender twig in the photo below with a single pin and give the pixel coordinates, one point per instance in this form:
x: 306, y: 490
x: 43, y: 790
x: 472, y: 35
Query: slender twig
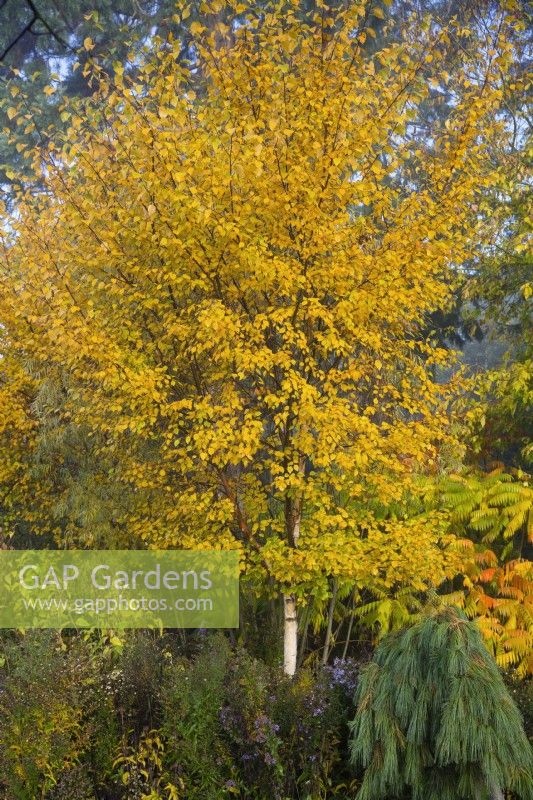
x: 28, y: 28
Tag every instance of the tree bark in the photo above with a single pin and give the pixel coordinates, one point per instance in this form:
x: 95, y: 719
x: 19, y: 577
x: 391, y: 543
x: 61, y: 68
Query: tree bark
x: 327, y: 643
x: 290, y: 635
x: 290, y: 615
x: 350, y: 626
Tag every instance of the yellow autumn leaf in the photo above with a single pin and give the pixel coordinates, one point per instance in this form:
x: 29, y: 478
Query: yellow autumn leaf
x: 184, y: 290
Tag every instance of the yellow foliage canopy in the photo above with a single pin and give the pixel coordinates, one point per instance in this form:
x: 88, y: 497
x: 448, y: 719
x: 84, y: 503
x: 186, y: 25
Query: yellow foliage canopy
x: 230, y: 270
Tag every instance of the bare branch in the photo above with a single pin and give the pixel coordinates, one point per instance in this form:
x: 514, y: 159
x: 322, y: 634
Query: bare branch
x: 36, y: 17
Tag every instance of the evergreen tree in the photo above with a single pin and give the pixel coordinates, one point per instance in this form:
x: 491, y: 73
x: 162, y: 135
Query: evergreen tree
x: 434, y: 717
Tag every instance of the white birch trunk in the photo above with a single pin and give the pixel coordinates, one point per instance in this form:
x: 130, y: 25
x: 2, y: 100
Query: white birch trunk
x: 290, y: 618
x: 290, y: 634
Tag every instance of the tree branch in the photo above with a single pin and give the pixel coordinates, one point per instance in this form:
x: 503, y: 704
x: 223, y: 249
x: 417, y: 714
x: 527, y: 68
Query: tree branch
x: 28, y: 28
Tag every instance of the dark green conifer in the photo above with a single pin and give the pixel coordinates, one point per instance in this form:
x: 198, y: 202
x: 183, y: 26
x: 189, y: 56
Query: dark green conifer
x: 434, y: 718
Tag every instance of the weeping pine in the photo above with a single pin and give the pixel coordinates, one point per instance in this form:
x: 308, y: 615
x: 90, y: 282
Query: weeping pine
x: 434, y: 718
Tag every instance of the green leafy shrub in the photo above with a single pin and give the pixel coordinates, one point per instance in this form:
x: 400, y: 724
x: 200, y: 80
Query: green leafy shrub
x: 141, y: 771
x: 137, y: 678
x: 40, y: 715
x: 192, y: 695
x: 238, y: 727
x: 72, y: 783
x: 142, y: 717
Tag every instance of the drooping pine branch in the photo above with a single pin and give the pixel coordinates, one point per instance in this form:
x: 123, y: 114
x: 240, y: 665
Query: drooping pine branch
x: 434, y: 718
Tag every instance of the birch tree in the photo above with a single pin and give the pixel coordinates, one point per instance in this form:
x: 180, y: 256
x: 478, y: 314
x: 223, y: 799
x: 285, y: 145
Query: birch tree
x: 229, y: 277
